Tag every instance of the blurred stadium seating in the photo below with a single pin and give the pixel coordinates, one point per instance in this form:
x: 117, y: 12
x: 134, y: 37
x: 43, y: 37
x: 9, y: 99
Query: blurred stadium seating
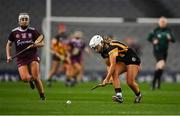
x: 128, y: 9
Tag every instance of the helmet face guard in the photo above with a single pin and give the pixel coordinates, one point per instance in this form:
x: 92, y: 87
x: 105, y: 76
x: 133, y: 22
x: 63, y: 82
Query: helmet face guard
x: 23, y: 17
x: 95, y: 40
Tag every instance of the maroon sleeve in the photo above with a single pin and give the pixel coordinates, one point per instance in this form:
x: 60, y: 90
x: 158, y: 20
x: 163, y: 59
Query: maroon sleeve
x: 36, y: 34
x: 11, y: 37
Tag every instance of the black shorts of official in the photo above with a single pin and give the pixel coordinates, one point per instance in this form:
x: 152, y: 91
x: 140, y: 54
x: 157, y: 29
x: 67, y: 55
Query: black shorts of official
x: 129, y: 58
x: 160, y: 56
x: 55, y: 58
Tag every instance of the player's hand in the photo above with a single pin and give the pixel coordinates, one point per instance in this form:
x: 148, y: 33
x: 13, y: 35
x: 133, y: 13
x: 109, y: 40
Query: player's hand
x: 168, y: 36
x: 155, y: 41
x: 105, y: 81
x: 32, y: 46
x: 9, y: 59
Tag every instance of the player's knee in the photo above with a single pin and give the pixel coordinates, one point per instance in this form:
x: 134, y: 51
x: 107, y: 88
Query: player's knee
x: 160, y: 64
x: 25, y: 78
x: 115, y: 76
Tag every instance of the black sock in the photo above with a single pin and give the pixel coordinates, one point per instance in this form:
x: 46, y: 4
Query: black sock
x: 137, y: 94
x: 117, y: 90
x: 42, y: 95
x: 68, y: 80
x: 154, y: 79
x: 157, y: 76
x: 160, y: 72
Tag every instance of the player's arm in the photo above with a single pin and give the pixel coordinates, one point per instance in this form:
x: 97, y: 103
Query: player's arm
x: 107, y: 62
x: 8, y: 51
x: 40, y: 44
x: 36, y: 37
x: 112, y: 59
x: 111, y: 78
x: 68, y: 59
x: 88, y: 51
x: 54, y: 42
x: 171, y: 36
x: 151, y: 38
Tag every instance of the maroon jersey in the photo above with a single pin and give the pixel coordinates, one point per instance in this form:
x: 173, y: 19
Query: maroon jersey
x: 77, y: 48
x: 23, y: 38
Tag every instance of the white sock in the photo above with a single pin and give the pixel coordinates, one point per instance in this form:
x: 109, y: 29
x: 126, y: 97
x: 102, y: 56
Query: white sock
x: 119, y: 94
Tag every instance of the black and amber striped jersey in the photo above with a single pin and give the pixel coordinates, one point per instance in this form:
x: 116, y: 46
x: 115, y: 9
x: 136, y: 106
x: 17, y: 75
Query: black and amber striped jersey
x: 115, y: 46
x: 60, y: 48
x: 125, y: 54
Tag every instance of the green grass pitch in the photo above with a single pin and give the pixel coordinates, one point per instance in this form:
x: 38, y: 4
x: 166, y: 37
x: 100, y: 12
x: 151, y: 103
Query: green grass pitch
x: 17, y: 98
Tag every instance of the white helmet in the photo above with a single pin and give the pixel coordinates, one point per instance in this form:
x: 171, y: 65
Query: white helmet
x: 23, y: 15
x: 95, y: 40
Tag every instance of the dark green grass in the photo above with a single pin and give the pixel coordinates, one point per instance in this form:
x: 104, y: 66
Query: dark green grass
x: 18, y: 98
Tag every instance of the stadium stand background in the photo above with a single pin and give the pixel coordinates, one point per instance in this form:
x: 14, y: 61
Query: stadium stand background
x: 127, y: 9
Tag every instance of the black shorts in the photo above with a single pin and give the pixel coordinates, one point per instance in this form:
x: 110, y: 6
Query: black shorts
x: 54, y: 57
x: 160, y: 56
x: 129, y: 58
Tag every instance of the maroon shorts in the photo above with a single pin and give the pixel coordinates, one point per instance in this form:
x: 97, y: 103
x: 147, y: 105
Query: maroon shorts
x: 26, y: 61
x: 76, y: 60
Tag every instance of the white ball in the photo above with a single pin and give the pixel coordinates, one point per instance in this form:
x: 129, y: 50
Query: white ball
x: 68, y: 102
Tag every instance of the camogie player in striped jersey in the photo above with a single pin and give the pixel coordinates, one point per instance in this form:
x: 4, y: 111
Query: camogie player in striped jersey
x: 119, y: 59
x: 59, y: 52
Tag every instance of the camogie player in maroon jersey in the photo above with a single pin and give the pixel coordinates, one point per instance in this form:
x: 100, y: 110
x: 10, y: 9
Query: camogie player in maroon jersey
x: 28, y: 61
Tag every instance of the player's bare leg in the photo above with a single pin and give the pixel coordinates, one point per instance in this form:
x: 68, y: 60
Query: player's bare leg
x: 54, y: 68
x: 132, y: 71
x: 78, y: 71
x: 69, y: 75
x: 35, y: 71
x: 25, y: 76
x: 120, y: 68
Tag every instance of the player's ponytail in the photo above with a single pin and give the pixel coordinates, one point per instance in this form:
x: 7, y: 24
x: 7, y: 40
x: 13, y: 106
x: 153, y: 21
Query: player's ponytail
x: 107, y: 39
